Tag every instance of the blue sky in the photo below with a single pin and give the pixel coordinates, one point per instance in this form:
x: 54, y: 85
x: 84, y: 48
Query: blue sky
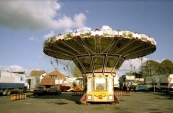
x: 26, y: 24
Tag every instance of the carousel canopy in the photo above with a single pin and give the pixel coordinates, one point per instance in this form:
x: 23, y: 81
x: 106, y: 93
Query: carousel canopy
x: 99, y: 51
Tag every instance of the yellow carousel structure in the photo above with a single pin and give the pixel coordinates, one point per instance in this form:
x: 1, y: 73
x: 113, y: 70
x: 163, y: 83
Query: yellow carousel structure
x: 99, y: 54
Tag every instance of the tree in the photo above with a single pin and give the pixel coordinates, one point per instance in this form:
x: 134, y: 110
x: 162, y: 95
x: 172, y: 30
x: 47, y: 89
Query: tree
x: 75, y: 71
x: 150, y: 68
x: 167, y: 67
x: 129, y: 73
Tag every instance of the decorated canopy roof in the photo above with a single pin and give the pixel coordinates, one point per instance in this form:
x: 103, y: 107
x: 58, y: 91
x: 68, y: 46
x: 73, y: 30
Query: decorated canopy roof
x: 99, y: 50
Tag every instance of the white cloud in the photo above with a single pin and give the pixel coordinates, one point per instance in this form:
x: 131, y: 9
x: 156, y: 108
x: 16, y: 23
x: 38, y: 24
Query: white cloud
x: 12, y: 68
x: 49, y: 35
x: 105, y: 27
x: 43, y: 56
x: 79, y: 20
x: 132, y: 65
x: 83, y: 28
x: 36, y: 14
x: 68, y: 30
x: 87, y: 11
x: 17, y: 68
x: 33, y: 39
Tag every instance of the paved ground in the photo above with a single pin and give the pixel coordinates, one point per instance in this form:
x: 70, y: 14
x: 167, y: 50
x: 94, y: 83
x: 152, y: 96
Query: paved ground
x: 138, y: 102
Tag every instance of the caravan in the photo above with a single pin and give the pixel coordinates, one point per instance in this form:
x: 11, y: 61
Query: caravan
x: 11, y: 82
x: 170, y: 79
x: 160, y: 82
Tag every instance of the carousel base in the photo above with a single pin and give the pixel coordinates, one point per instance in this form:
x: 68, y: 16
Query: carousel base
x: 84, y: 100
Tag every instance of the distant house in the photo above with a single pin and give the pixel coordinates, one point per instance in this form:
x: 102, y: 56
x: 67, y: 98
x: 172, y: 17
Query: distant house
x: 55, y: 74
x: 37, y: 73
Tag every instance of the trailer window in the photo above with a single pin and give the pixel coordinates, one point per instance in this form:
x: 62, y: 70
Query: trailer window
x: 53, y: 76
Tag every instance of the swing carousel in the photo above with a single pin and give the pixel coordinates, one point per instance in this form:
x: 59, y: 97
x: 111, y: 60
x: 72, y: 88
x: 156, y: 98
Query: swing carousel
x: 99, y: 54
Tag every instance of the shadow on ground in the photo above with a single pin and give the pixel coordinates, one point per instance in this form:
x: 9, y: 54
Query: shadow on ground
x: 63, y: 95
x: 168, y: 95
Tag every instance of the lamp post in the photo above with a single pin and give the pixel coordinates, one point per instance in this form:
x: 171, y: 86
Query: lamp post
x: 154, y: 82
x: 167, y: 74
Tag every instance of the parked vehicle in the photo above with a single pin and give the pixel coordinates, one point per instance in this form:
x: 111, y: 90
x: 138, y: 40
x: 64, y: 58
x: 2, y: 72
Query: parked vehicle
x: 127, y: 82
x: 160, y: 82
x: 170, y: 79
x: 65, y: 88
x: 54, y: 90
x: 141, y: 88
x: 40, y: 90
x: 47, y: 86
x: 12, y: 83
